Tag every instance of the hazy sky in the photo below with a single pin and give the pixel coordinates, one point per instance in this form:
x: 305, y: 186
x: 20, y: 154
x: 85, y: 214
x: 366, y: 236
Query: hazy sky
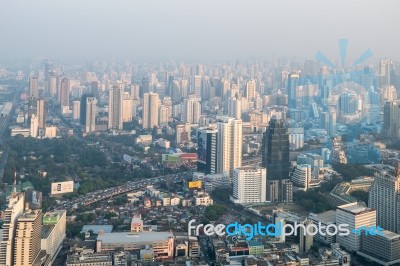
x: 201, y: 29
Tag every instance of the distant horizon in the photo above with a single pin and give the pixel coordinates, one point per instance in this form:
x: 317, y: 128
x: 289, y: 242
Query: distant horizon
x: 158, y: 30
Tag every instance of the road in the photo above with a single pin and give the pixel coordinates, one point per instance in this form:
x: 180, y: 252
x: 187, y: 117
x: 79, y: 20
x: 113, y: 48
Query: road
x: 104, y: 194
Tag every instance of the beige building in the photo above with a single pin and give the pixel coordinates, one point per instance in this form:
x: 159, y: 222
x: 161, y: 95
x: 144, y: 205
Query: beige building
x: 355, y: 215
x: 127, y: 108
x: 161, y: 244
x: 230, y: 140
x: 53, y: 232
x: 115, y: 102
x: 27, y: 238
x: 151, y: 103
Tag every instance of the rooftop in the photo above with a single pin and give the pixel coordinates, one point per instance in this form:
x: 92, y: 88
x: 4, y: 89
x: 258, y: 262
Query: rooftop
x: 97, y: 228
x: 355, y: 208
x: 328, y: 217
x: 128, y: 237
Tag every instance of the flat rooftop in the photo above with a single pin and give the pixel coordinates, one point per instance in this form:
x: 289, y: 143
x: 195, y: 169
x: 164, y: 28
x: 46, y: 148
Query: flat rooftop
x: 96, y: 228
x: 355, y: 208
x: 128, y: 237
x: 328, y: 217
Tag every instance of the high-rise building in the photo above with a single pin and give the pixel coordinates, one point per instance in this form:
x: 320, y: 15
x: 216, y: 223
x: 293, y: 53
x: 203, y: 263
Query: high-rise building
x: 65, y: 88
x: 391, y: 120
x: 384, y: 196
x: 251, y: 90
x: 355, y: 215
x: 381, y: 249
x: 90, y: 114
x: 94, y: 89
x: 234, y: 108
x: 275, y: 158
x: 53, y: 232
x: 127, y: 108
x: 348, y: 103
x: 301, y: 176
x: 115, y: 102
x: 293, y: 83
x: 82, y: 107
x: 207, y: 150
x: 230, y: 140
x: 34, y: 127
x: 191, y: 111
x: 182, y: 133
x: 197, y: 82
x: 41, y: 110
x: 164, y: 115
x: 151, y: 103
x: 11, y: 214
x: 76, y: 110
x: 33, y: 87
x: 249, y: 185
x: 27, y: 238
x: 135, y: 91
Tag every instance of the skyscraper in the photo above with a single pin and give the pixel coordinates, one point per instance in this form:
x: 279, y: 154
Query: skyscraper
x: 230, y: 140
x: 127, y: 108
x: 293, y: 83
x: 275, y: 158
x: 234, y: 108
x: 197, y: 82
x: 90, y: 114
x: 28, y: 238
x: 182, y: 133
x: 384, y: 196
x: 65, y: 87
x: 348, y: 103
x: 33, y: 87
x: 115, y: 102
x: 207, y: 150
x: 82, y: 107
x: 76, y: 110
x: 249, y: 184
x: 151, y: 104
x: 11, y: 214
x: 251, y: 90
x: 391, y: 120
x: 191, y: 110
x: 34, y: 126
x: 41, y: 110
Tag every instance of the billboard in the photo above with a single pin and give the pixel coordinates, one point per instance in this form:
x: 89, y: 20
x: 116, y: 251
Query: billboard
x: 195, y: 184
x: 127, y: 158
x: 202, y: 147
x: 34, y: 199
x: 62, y: 187
x: 171, y: 158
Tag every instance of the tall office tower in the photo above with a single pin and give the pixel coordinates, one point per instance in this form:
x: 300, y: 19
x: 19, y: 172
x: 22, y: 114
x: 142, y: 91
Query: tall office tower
x: 332, y: 122
x: 53, y: 232
x: 251, y: 90
x: 14, y: 210
x: 169, y: 80
x: 94, y: 89
x: 348, y: 103
x: 391, y: 120
x: 384, y: 196
x: 90, y: 114
x: 293, y: 83
x: 65, y: 87
x: 196, y: 89
x: 182, y: 133
x: 249, y: 184
x: 127, y: 108
x: 207, y: 150
x: 176, y: 95
x: 385, y: 67
x: 28, y: 238
x: 53, y: 85
x: 235, y: 108
x: 191, y: 111
x: 275, y: 157
x: 76, y: 110
x: 82, y: 113
x: 355, y: 215
x: 34, y: 127
x: 48, y: 68
x: 230, y: 140
x: 33, y: 87
x: 301, y: 176
x: 135, y: 91
x: 164, y: 115
x: 115, y: 102
x: 226, y: 86
x: 184, y: 85
x: 41, y: 110
x: 151, y: 104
